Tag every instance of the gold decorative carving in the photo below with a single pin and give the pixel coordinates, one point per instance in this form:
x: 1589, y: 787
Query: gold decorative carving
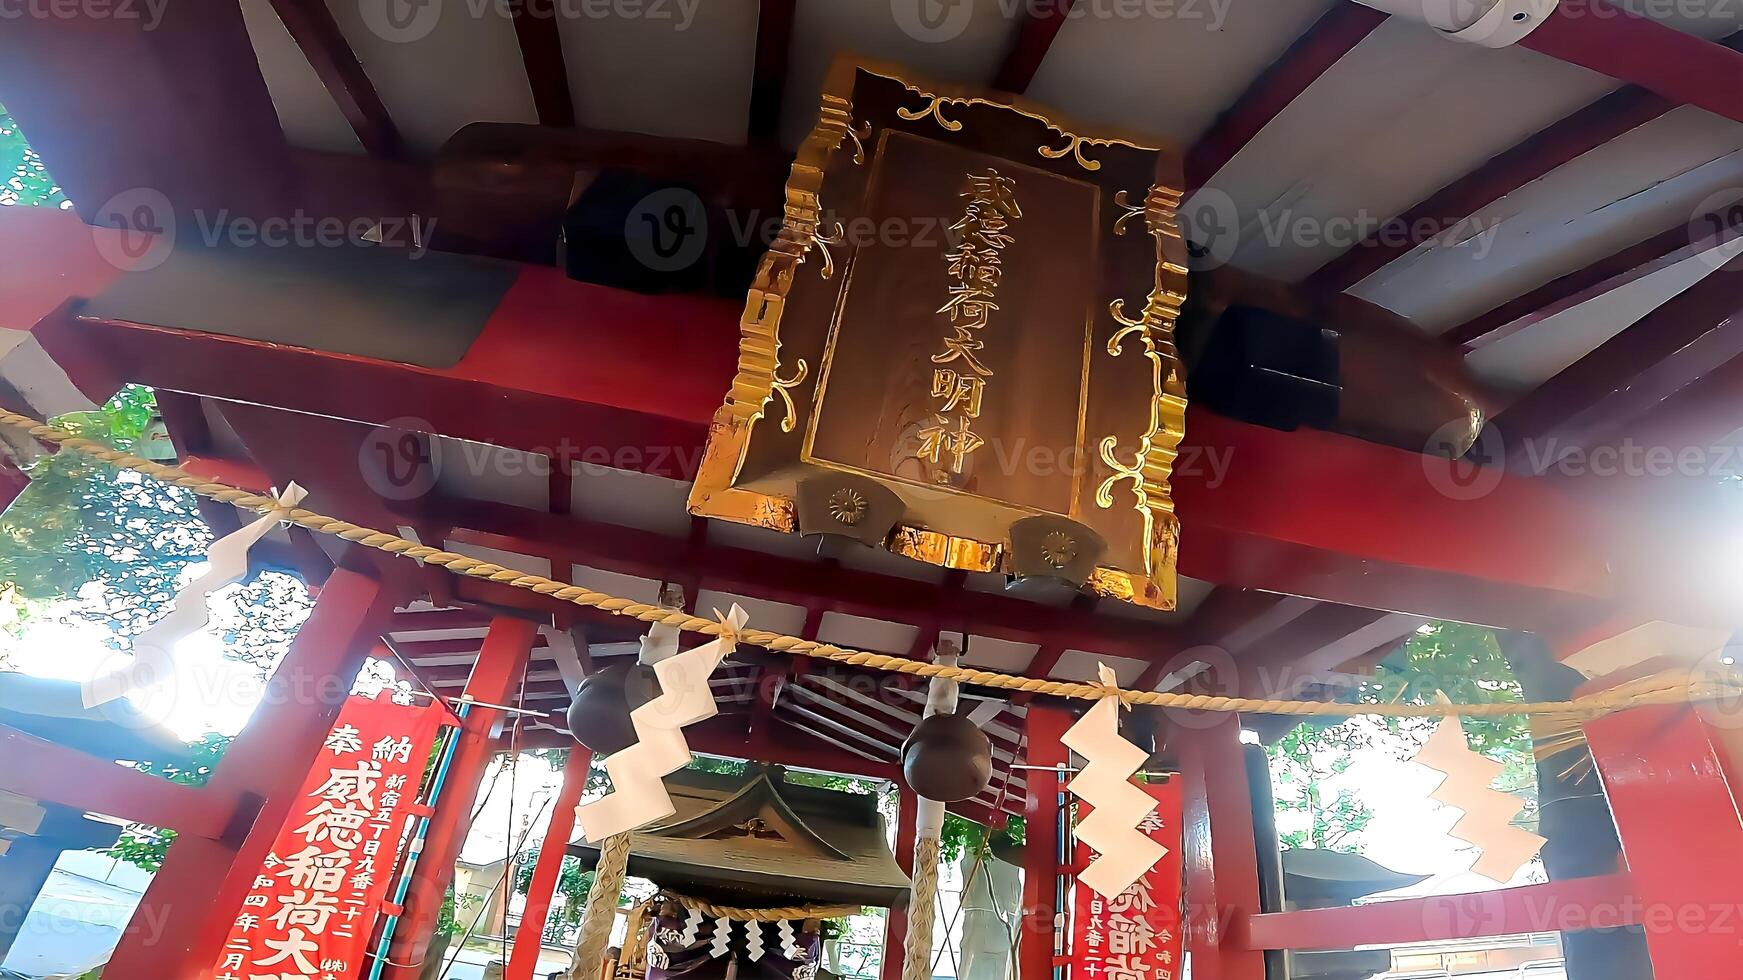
x: 859, y: 134
x: 1153, y: 461
x: 782, y: 387
x: 1058, y: 550
x: 1073, y: 147
x: 836, y: 236
x: 848, y: 505
x: 1128, y: 211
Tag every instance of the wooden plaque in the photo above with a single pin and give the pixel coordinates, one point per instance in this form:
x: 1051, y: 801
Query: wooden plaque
x: 971, y: 306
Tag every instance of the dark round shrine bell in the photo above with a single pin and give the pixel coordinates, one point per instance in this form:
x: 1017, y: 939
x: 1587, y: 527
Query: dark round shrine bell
x: 599, y: 715
x: 947, y: 759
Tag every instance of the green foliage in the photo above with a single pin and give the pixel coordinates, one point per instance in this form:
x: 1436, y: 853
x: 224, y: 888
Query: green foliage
x: 573, y: 884
x: 1463, y: 662
x: 963, y: 836
x: 144, y: 846
x: 82, y: 521
x: 24, y: 180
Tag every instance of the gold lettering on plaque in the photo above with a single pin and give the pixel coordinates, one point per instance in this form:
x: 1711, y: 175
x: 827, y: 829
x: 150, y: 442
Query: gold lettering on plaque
x: 975, y: 266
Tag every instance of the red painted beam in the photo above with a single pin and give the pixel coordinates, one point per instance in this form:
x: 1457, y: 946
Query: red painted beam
x: 1692, y: 334
x: 192, y: 902
x: 1677, y: 65
x: 1670, y: 781
x: 1038, y: 24
x: 500, y: 667
x: 1331, y: 37
x: 42, y: 770
x: 1604, y: 902
x: 769, y: 77
x: 541, y: 52
x: 529, y: 939
x: 1221, y: 860
x: 311, y: 24
x: 1614, y: 271
x: 1038, y: 940
x: 798, y: 582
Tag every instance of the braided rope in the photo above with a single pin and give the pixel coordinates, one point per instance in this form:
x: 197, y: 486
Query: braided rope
x: 922, y: 909
x: 782, y: 914
x: 1668, y: 688
x: 601, y: 912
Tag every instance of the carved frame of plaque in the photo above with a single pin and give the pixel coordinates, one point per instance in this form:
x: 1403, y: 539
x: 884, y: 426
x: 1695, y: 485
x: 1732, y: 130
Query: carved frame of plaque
x: 844, y: 354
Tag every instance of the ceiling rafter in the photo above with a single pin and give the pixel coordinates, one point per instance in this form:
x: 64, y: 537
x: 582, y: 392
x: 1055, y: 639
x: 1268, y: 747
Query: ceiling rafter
x: 1695, y: 332
x: 1611, y: 272
x: 769, y: 78
x: 1325, y: 43
x: 1038, y: 24
x: 311, y: 24
x: 1537, y: 155
x: 541, y: 51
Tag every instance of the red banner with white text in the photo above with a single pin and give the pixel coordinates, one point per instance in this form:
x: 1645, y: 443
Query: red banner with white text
x: 314, y: 903
x: 1136, y: 935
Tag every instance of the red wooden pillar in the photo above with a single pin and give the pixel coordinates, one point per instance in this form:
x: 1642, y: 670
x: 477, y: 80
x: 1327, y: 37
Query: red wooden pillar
x: 530, y: 939
x: 1222, y: 865
x: 501, y: 663
x: 1668, y: 779
x: 896, y: 923
x: 187, y: 913
x: 1038, y: 942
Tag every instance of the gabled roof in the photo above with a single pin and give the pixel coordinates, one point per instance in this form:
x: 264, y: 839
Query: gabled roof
x: 756, y: 839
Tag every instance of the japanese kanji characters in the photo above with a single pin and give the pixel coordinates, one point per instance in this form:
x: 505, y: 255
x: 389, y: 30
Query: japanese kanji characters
x: 974, y: 266
x: 311, y: 908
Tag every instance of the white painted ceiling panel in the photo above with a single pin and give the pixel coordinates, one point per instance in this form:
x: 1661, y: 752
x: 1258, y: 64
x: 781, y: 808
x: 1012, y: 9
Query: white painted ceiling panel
x: 842, y: 629
x: 966, y: 45
x: 480, y: 471
x: 991, y: 653
x: 1633, y: 187
x: 1079, y: 665
x: 507, y: 559
x: 1530, y: 357
x: 309, y: 116
x: 1399, y: 117
x: 765, y: 614
x: 632, y: 587
x: 679, y: 69
x: 451, y: 63
x: 1170, y: 70
x: 639, y: 500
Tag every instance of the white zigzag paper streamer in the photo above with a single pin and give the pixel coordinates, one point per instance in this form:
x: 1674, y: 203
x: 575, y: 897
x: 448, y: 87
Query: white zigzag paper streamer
x: 226, y: 563
x: 753, y: 940
x: 638, y: 794
x: 789, y: 942
x: 722, y: 937
x: 1123, y: 851
x: 1488, y: 813
x: 692, y: 926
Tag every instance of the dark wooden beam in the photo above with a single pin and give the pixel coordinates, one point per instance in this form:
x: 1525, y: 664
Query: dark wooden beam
x: 541, y: 51
x: 312, y: 26
x: 769, y: 82
x: 1692, y: 334
x: 1680, y: 66
x: 1328, y: 40
x: 1038, y: 24
x: 1613, y: 271
x: 1561, y: 142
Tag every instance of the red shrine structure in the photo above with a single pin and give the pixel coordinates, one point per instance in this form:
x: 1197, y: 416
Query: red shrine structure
x: 1449, y: 295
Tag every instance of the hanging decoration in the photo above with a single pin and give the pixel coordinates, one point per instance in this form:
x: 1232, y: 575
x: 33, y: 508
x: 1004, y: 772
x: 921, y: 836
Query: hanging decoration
x: 1488, y: 813
x: 153, y: 657
x: 638, y: 795
x: 1124, y: 852
x: 1139, y: 932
